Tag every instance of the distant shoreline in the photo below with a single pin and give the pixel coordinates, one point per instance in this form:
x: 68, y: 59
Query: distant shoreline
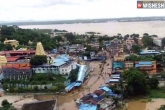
x: 128, y: 19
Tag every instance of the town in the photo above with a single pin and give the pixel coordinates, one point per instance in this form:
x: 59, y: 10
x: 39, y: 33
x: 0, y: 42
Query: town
x: 58, y: 70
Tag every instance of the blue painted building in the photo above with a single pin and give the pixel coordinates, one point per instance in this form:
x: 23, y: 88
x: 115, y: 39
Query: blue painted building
x: 147, y: 52
x: 118, y: 65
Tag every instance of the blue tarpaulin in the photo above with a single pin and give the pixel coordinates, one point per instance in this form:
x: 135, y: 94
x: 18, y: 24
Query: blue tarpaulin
x: 87, y: 107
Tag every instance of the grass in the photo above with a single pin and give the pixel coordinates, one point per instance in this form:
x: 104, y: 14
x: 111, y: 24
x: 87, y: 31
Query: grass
x: 157, y: 93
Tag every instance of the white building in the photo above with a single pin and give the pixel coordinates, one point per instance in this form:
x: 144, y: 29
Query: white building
x: 61, y: 65
x: 157, y: 41
x: 66, y: 68
x: 76, y: 48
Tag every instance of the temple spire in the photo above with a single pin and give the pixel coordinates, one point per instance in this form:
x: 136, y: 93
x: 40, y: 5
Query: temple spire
x: 40, y: 49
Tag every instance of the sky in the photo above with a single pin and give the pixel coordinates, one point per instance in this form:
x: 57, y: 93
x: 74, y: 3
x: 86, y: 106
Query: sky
x: 43, y: 10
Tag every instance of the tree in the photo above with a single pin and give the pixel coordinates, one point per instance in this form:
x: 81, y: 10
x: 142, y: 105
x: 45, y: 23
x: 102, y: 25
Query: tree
x: 136, y: 49
x: 162, y: 107
x: 153, y: 83
x: 163, y: 41
x: 8, y: 47
x: 38, y: 60
x: 7, y: 106
x: 136, y: 82
x: 73, y: 75
x: 36, y: 88
x: 147, y: 41
x: 5, y: 103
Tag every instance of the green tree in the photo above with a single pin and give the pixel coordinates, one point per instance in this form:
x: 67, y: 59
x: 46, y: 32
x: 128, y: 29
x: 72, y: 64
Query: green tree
x: 163, y: 41
x: 162, y: 107
x: 147, y: 41
x: 73, y: 75
x: 38, y: 60
x: 36, y: 88
x: 153, y: 83
x: 136, y: 82
x: 136, y: 49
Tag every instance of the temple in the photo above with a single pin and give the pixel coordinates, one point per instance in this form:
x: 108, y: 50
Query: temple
x: 40, y: 49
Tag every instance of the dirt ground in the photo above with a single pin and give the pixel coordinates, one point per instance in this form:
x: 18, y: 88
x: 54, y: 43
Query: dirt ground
x: 17, y: 101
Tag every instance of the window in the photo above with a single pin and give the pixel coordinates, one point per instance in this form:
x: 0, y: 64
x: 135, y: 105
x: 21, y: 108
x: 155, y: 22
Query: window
x: 65, y: 69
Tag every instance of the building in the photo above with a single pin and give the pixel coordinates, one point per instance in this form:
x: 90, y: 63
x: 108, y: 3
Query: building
x: 147, y: 66
x: 118, y: 65
x: 16, y: 71
x: 76, y: 48
x: 14, y: 43
x: 147, y: 52
x: 3, y: 60
x: 39, y: 49
x: 18, y: 53
x: 129, y: 42
x: 128, y: 64
x: 115, y: 47
x: 61, y: 65
x: 119, y: 57
x: 41, y: 105
x: 140, y: 41
x: 157, y: 41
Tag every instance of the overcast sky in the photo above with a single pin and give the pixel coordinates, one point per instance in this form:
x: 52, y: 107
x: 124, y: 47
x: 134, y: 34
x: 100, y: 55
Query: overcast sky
x: 41, y: 10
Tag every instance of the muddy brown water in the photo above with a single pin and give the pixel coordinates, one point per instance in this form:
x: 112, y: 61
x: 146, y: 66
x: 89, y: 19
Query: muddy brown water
x: 144, y: 104
x: 66, y: 102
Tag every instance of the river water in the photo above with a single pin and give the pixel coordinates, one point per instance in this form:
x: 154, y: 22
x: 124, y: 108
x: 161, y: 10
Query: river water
x: 111, y: 28
x: 143, y: 104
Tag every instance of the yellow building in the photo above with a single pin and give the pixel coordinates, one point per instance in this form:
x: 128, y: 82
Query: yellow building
x: 119, y: 57
x: 3, y: 60
x: 14, y: 43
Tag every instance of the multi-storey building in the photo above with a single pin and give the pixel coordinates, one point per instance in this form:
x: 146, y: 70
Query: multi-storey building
x: 16, y: 71
x: 147, y: 66
x: 14, y: 43
x: 115, y: 47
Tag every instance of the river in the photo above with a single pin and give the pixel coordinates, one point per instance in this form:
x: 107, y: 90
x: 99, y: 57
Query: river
x: 111, y: 28
x: 143, y: 104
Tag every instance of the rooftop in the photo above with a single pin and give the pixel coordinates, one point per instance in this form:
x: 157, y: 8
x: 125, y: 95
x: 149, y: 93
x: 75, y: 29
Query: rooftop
x: 40, y: 105
x: 12, y: 59
x: 87, y: 107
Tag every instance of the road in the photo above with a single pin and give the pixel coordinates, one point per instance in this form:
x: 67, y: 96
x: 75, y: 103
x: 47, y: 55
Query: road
x: 67, y: 102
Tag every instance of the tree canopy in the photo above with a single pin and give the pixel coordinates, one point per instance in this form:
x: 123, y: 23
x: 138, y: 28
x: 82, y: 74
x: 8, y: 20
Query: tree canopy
x: 24, y: 35
x: 147, y: 41
x: 6, y: 105
x: 136, y: 82
x: 38, y: 60
x: 136, y: 49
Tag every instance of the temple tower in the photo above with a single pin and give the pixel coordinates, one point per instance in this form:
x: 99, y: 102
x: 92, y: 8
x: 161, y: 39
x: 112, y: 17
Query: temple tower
x: 40, y: 49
